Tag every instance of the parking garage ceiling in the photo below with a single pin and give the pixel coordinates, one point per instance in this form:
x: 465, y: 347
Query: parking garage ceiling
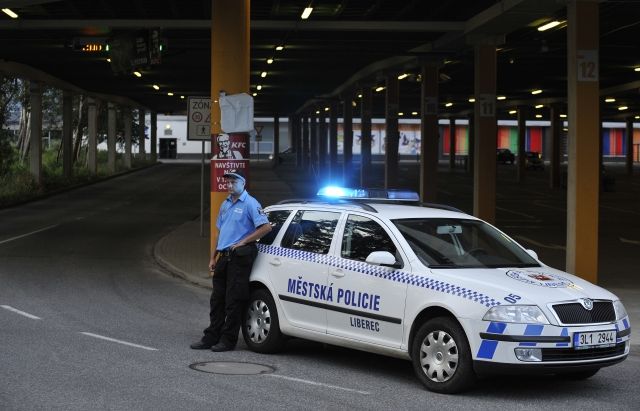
x: 344, y: 45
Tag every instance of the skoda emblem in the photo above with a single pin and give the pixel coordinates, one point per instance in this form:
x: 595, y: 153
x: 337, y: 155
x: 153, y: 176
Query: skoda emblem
x: 587, y: 303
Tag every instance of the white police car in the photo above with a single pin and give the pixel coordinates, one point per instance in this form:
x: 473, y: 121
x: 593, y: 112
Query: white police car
x: 450, y: 292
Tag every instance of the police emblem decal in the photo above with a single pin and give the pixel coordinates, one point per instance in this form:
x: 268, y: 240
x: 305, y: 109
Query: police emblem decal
x: 587, y: 303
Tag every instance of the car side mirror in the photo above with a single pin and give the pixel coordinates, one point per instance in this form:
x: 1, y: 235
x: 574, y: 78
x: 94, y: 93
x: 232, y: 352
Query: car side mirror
x: 532, y: 254
x: 382, y: 258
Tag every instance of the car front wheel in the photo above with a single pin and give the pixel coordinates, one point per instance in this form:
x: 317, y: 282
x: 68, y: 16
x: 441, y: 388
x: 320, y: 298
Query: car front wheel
x: 441, y: 356
x: 261, y: 329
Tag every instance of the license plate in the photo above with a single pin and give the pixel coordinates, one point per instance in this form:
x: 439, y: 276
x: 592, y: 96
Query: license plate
x: 594, y: 339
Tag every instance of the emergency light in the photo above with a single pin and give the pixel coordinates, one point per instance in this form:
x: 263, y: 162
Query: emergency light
x: 367, y: 193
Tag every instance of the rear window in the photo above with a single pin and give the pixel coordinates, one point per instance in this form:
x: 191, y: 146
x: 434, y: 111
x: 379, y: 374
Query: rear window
x: 276, y: 219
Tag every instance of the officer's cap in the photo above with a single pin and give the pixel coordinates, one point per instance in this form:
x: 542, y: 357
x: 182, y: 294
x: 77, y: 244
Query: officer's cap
x: 237, y: 174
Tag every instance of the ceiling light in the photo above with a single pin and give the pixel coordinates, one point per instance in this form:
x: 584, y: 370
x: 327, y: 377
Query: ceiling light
x: 167, y: 126
x: 563, y: 116
x: 306, y: 13
x: 360, y: 95
x: 414, y: 113
x: 326, y: 109
x: 403, y: 76
x: 549, y: 25
x: 270, y: 60
x: 379, y: 89
x: 259, y: 87
x: 401, y: 113
x: 156, y: 87
x: 317, y: 111
x: 565, y: 129
x: 472, y: 100
x: 538, y: 115
x: 513, y: 111
x: 501, y: 97
x: 534, y: 92
x: 609, y: 100
x: 449, y: 104
x: 108, y: 60
x: 637, y: 68
x: 254, y: 94
x: 10, y: 13
x: 622, y: 108
x: 353, y: 104
x: 279, y: 48
x: 637, y: 117
x: 169, y: 94
x: 137, y: 74
x: 539, y: 105
x: 263, y: 74
x: 182, y: 97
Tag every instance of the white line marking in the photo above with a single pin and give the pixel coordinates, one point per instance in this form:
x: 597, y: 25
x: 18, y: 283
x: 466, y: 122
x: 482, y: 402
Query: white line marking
x: 25, y: 235
x: 537, y: 244
x: 624, y: 240
x: 541, y: 204
x: 284, y: 377
x: 620, y: 210
x: 10, y: 308
x: 515, y: 212
x: 102, y: 337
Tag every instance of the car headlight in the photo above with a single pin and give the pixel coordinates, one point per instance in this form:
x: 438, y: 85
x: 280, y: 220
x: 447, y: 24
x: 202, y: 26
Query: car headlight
x: 524, y: 314
x: 620, y: 311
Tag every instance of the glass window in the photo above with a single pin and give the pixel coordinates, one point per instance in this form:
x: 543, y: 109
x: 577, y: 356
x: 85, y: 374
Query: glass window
x: 461, y: 243
x: 362, y: 236
x: 276, y: 219
x: 311, y: 231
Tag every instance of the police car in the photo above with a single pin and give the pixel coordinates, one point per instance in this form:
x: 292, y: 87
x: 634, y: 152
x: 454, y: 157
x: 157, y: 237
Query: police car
x: 448, y: 291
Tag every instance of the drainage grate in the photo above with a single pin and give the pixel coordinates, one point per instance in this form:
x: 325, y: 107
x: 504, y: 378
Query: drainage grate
x: 232, y: 368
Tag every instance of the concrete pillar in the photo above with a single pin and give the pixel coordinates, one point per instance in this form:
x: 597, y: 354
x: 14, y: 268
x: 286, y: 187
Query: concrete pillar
x: 322, y: 145
x: 142, y: 151
x: 111, y: 137
x: 35, y: 145
x: 313, y: 129
x: 297, y: 130
x: 67, y: 133
x: 153, y: 133
x: 92, y: 135
x: 127, y: 120
x: 472, y: 143
x: 276, y: 140
x: 333, y: 140
x: 523, y: 112
x: 392, y: 139
x: 629, y: 134
x: 452, y: 143
x: 555, y: 155
x: 484, y: 176
x: 429, y: 132
x: 347, y: 148
x: 365, y: 137
x: 584, y: 139
x: 305, y: 143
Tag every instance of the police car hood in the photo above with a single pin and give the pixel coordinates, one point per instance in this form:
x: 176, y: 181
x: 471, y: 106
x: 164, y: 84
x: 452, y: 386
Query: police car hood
x: 534, y: 285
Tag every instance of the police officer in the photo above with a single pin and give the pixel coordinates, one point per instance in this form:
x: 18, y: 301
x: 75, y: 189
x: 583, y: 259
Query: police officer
x: 241, y: 222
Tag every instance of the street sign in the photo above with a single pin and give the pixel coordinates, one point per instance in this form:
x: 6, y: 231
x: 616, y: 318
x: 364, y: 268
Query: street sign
x: 199, y: 118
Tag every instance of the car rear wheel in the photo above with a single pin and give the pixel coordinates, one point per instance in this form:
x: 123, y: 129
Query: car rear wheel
x: 441, y: 356
x: 261, y: 329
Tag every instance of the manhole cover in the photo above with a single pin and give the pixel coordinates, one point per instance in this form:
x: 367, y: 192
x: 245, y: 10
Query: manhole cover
x: 232, y: 368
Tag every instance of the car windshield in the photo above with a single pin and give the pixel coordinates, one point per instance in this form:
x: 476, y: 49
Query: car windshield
x: 461, y: 243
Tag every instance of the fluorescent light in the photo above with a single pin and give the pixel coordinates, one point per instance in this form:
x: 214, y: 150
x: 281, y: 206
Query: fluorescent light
x: 622, y: 108
x: 263, y: 74
x: 137, y: 74
x: 414, y: 113
x: 501, y: 97
x: 609, y: 100
x: 108, y: 60
x: 636, y: 69
x: 403, y: 76
x: 513, y: 111
x: 538, y: 115
x: 270, y: 60
x: 306, y: 13
x: 563, y: 116
x: 360, y: 95
x: 317, y: 111
x: 326, y: 109
x: 448, y: 104
x: 353, y: 104
x: 167, y: 126
x: 254, y: 94
x: 472, y: 100
x: 169, y: 94
x: 637, y: 117
x: 536, y: 91
x: 539, y: 105
x: 156, y: 87
x: 549, y: 25
x: 401, y: 113
x: 379, y: 89
x: 10, y: 13
x: 279, y: 48
x: 182, y: 97
x: 259, y: 87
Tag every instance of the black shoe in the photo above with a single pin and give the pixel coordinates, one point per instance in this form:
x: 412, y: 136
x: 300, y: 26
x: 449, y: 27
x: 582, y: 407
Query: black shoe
x: 220, y: 347
x: 201, y: 345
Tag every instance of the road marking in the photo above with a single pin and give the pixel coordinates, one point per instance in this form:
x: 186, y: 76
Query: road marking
x: 102, y: 337
x: 515, y: 212
x: 10, y: 308
x: 537, y: 244
x: 28, y: 234
x: 284, y: 377
x: 624, y: 240
x: 620, y: 210
x: 541, y: 204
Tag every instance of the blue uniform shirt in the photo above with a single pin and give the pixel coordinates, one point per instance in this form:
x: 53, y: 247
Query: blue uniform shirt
x: 236, y: 221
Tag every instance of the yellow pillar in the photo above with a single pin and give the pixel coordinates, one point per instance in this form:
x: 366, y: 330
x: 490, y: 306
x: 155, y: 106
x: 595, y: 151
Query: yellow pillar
x: 584, y: 140
x: 429, y: 132
x: 229, y: 70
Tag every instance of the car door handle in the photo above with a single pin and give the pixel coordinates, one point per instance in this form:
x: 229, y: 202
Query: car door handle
x: 275, y: 261
x: 337, y: 273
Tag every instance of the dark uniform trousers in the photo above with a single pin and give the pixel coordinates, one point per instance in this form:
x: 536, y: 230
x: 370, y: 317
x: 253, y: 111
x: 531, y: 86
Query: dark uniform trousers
x: 230, y: 294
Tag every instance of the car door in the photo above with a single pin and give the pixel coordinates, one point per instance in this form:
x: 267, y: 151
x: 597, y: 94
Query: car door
x: 298, y: 268
x: 369, y: 299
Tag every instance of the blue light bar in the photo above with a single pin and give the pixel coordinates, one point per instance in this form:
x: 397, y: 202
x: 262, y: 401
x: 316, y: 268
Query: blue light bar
x: 367, y: 194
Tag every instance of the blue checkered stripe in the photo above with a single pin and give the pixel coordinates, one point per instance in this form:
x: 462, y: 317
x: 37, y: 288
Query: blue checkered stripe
x: 376, y: 271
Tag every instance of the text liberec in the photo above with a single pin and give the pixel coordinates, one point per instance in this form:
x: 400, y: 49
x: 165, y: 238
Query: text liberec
x: 323, y: 292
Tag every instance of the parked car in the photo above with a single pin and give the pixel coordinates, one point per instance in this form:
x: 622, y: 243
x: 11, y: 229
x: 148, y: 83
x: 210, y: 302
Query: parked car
x: 287, y: 155
x: 504, y: 156
x: 430, y: 284
x: 533, y: 160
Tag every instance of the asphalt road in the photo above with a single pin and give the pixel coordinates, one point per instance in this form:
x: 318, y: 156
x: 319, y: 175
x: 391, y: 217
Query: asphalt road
x: 88, y: 320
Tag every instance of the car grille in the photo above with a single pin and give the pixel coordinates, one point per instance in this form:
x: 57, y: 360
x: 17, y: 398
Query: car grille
x: 569, y: 354
x: 575, y: 313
